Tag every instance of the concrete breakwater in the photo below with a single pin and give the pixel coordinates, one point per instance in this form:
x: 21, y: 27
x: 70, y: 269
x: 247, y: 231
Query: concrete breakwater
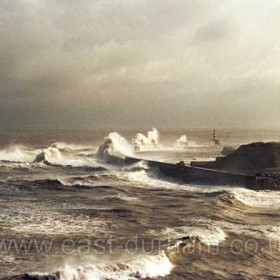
x: 199, y: 175
x: 255, y: 166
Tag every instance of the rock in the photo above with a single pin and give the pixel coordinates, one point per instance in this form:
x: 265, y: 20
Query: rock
x: 227, y: 150
x: 254, y: 156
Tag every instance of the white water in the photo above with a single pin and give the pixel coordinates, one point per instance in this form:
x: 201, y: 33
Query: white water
x: 114, y: 144
x: 264, y: 199
x: 151, y: 140
x: 31, y: 221
x: 57, y: 153
x: 51, y: 155
x: 182, y: 141
x: 18, y: 154
x: 207, y: 234
x: 64, y: 154
x: 141, y: 267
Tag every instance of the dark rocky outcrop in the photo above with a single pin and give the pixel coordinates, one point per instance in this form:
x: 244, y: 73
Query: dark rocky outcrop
x: 252, y: 157
x: 227, y: 150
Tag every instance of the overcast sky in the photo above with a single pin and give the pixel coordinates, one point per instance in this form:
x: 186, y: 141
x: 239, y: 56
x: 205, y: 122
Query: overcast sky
x: 87, y: 63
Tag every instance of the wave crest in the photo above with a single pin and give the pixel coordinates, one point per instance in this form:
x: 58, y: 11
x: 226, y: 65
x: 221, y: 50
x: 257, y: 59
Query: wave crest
x: 114, y: 145
x: 142, y: 267
x: 50, y: 155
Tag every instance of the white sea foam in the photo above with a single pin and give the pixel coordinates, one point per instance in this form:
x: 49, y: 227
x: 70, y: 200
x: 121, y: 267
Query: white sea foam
x: 154, y: 179
x: 62, y: 154
x: 264, y: 199
x: 52, y: 223
x: 182, y: 141
x: 148, y: 181
x: 18, y: 154
x: 150, y: 141
x: 152, y: 138
x: 257, y: 230
x: 269, y: 231
x: 140, y: 267
x: 114, y: 144
x: 51, y: 155
x: 123, y: 197
x: 207, y: 234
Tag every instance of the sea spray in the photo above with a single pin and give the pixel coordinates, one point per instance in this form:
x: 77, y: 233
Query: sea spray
x: 18, y: 153
x: 141, y: 267
x: 182, y: 141
x: 141, y: 141
x: 114, y: 144
x: 51, y: 155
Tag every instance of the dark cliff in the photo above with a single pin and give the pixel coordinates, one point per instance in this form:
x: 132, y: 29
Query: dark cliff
x: 255, y: 157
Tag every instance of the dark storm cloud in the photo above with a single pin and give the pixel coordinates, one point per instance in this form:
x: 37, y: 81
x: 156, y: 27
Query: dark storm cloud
x: 131, y: 62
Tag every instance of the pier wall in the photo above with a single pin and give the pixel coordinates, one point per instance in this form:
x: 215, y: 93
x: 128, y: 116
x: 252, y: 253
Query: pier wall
x: 200, y: 175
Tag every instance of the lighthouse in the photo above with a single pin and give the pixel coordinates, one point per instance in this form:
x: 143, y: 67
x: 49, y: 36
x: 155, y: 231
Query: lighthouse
x: 215, y: 140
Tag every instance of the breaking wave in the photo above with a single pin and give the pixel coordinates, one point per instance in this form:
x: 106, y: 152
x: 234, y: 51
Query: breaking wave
x: 55, y: 154
x: 142, y: 267
x: 51, y: 155
x: 207, y: 234
x: 60, y: 154
x: 114, y: 145
x: 262, y: 199
x: 18, y: 154
x: 182, y: 141
x: 150, y: 141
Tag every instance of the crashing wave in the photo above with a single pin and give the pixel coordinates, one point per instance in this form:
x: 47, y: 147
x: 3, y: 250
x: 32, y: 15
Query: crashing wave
x: 262, y: 199
x: 62, y: 147
x: 142, y: 267
x: 181, y: 142
x: 17, y: 154
x: 114, y: 146
x: 145, y: 266
x: 151, y: 141
x: 49, y: 155
x: 207, y: 234
x: 63, y: 154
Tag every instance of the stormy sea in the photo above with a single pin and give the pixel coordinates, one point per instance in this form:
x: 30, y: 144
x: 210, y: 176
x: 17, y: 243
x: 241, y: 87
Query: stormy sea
x: 67, y: 212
